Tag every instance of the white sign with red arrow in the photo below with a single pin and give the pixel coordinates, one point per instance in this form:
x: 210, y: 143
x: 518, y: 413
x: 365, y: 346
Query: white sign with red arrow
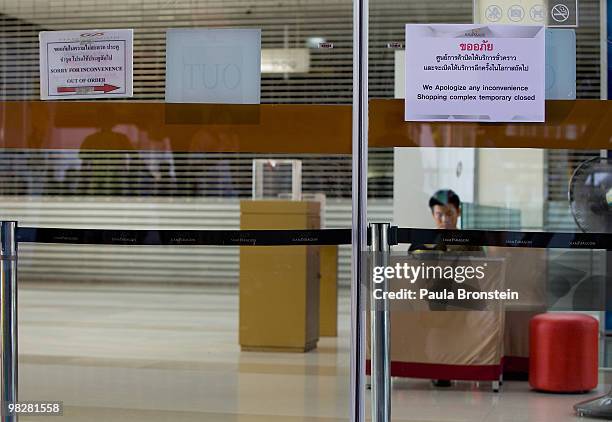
x: 86, y: 64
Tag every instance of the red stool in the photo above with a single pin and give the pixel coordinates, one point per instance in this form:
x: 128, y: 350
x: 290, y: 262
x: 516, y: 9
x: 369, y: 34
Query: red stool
x: 563, y: 352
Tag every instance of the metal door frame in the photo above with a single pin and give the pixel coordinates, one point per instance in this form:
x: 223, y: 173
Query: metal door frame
x: 359, y: 210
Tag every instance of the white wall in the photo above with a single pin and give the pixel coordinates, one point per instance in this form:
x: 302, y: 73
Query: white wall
x: 419, y: 172
x: 513, y: 178
x: 509, y: 178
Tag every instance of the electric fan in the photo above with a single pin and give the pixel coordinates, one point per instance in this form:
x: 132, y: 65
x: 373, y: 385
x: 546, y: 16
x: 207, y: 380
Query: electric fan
x: 590, y: 196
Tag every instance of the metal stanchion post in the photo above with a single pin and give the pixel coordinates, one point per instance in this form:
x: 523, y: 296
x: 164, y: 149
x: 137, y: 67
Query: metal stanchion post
x: 381, y: 375
x: 8, y: 296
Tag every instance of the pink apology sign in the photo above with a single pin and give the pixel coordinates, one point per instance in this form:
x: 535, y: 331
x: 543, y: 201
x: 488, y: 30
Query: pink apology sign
x: 475, y: 73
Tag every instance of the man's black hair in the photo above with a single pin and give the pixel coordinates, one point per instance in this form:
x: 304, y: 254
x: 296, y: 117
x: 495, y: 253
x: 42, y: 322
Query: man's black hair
x: 445, y: 197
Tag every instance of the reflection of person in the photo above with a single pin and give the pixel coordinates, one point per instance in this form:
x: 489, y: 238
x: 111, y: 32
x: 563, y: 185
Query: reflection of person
x: 98, y: 174
x: 217, y: 179
x: 159, y: 161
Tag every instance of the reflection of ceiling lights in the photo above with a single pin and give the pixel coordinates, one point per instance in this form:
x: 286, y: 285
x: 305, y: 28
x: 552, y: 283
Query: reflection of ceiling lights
x: 285, y: 60
x: 314, y: 42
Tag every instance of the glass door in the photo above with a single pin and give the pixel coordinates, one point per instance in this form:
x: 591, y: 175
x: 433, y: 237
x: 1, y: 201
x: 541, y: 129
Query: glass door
x: 468, y: 188
x: 240, y: 119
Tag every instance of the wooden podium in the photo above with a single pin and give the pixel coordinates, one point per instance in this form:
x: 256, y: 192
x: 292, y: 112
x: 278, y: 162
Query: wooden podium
x: 279, y: 285
x: 328, y: 302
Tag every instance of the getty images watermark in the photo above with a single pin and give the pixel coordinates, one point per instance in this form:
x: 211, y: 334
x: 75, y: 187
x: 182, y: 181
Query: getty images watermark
x: 437, y: 281
x: 438, y: 274
x: 483, y: 279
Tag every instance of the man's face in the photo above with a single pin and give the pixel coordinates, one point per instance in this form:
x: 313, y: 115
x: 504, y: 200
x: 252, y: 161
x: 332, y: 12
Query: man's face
x: 445, y: 216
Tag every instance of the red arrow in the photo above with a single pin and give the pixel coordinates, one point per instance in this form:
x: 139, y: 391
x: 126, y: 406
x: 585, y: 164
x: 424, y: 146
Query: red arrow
x: 99, y: 88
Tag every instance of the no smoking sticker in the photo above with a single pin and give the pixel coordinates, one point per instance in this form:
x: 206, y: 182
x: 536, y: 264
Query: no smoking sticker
x: 86, y: 64
x: 552, y: 13
x: 563, y: 13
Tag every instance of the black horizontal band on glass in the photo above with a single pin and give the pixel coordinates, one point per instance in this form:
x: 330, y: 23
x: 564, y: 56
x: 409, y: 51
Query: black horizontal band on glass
x: 550, y: 240
x: 185, y: 237
x: 547, y: 240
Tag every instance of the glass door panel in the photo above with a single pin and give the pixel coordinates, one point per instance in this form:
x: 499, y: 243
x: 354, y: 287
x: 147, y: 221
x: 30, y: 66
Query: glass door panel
x: 119, y: 332
x: 474, y: 190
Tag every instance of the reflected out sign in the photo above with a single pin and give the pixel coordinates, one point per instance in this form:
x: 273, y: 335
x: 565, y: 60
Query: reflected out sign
x: 210, y: 76
x: 221, y: 66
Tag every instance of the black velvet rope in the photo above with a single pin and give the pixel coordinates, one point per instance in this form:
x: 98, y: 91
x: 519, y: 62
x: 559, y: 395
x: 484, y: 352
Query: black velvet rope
x: 550, y: 240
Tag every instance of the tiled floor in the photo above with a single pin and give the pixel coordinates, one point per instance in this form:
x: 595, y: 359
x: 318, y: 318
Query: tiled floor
x: 147, y: 353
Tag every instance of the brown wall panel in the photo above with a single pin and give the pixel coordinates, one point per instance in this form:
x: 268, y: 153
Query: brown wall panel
x: 289, y: 128
x: 189, y: 127
x: 580, y: 124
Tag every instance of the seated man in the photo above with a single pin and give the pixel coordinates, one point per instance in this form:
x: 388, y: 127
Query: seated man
x: 445, y: 207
